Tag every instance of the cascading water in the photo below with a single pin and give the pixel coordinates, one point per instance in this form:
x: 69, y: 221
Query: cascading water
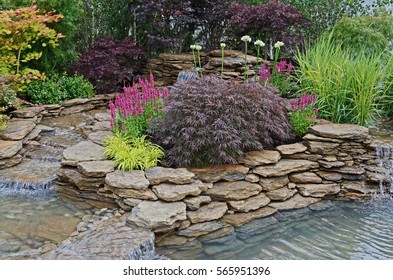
x: 385, y: 163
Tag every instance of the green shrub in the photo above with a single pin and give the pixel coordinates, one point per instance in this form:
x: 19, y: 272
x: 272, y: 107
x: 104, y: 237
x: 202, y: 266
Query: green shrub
x: 372, y: 33
x: 349, y: 87
x: 59, y: 88
x: 7, y: 94
x: 133, y: 153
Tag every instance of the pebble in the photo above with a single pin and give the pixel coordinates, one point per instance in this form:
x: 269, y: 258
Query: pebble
x: 10, y: 216
x: 86, y: 217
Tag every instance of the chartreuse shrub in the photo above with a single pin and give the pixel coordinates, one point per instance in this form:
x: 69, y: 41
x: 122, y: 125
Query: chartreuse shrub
x: 132, y: 153
x: 209, y: 120
x: 23, y: 33
x: 350, y: 86
x: 370, y: 32
x: 57, y: 88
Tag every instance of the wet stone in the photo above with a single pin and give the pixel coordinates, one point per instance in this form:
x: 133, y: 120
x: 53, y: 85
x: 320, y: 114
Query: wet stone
x: 295, y: 202
x: 17, y: 130
x: 240, y: 219
x: 201, y: 229
x: 250, y: 204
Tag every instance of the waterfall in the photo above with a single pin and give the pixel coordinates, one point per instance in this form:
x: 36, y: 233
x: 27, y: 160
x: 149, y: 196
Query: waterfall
x: 385, y: 163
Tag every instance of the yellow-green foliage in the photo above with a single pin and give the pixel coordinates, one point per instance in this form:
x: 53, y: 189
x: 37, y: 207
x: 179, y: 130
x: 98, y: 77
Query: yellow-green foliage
x: 133, y: 153
x: 22, y: 32
x: 3, y: 122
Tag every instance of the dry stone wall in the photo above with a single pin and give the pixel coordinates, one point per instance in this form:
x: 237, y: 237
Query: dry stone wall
x: 332, y: 162
x: 167, y: 66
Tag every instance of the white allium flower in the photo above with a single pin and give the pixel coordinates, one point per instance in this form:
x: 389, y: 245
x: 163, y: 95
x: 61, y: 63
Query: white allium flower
x: 259, y: 43
x: 246, y: 38
x: 192, y: 47
x: 278, y: 44
x: 198, y: 47
x: 223, y: 45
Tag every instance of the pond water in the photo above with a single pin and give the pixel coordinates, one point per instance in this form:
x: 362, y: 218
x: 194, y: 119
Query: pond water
x: 331, y: 230
x: 33, y: 218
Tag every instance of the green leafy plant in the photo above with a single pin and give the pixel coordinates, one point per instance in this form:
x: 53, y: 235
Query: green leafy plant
x: 304, y: 114
x: 22, y: 31
x: 7, y: 94
x: 3, y: 122
x: 350, y: 86
x: 56, y: 89
x: 370, y: 32
x: 132, y: 153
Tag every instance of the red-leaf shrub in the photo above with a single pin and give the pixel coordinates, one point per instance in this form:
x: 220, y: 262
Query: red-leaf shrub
x: 110, y: 65
x: 274, y: 20
x: 210, y: 120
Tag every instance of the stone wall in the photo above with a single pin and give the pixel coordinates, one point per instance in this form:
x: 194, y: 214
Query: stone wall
x: 166, y: 67
x: 332, y: 162
x: 25, y: 125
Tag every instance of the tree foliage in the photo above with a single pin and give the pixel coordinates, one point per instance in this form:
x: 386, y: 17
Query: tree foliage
x: 22, y: 33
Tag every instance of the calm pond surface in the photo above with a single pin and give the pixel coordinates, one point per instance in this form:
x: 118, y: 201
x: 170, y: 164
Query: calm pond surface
x: 331, y: 230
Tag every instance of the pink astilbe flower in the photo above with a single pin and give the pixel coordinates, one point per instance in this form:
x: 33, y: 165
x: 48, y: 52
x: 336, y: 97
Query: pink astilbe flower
x: 264, y: 73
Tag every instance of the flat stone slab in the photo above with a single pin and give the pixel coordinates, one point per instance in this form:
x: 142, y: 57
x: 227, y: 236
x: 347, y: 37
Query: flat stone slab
x: 102, y: 126
x: 29, y: 112
x: 194, y: 203
x: 134, y: 179
x: 172, y: 192
x: 9, y: 149
x: 201, y: 229
x: 318, y: 190
x: 102, y: 117
x: 157, y: 175
x: 250, y: 204
x: 322, y: 148
x: 133, y: 193
x: 305, y: 177
x: 273, y: 183
x: 240, y: 219
x: 216, y: 172
x: 111, y: 240
x: 256, y: 158
x: 295, y: 202
x: 156, y: 214
x: 17, y: 130
x: 209, y: 212
x: 291, y: 149
x: 281, y: 194
x: 239, y: 190
x: 9, y: 162
x: 340, y: 131
x: 84, y: 151
x: 96, y: 168
x: 285, y: 167
x: 98, y: 137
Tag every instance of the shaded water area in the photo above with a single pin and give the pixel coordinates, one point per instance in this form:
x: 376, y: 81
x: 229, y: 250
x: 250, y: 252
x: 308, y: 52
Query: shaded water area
x: 331, y: 230
x: 33, y: 218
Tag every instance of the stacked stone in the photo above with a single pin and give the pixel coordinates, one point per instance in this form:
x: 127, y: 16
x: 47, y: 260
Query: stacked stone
x: 77, y: 105
x: 345, y: 151
x: 166, y: 67
x: 82, y: 174
x: 19, y: 131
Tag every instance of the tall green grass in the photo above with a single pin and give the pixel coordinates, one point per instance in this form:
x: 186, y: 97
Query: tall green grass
x: 351, y: 87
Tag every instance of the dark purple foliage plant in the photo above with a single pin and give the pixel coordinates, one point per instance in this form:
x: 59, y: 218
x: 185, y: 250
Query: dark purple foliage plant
x: 110, y: 65
x: 272, y: 21
x: 209, y: 120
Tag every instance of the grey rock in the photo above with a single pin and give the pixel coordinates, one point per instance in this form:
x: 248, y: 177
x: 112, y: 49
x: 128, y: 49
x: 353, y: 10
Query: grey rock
x: 201, y: 229
x: 209, y: 212
x: 194, y: 203
x: 291, y: 149
x: 250, y: 204
x: 127, y: 180
x: 240, y: 219
x: 318, y: 190
x: 295, y: 202
x: 96, y: 168
x: 340, y: 131
x: 172, y: 192
x: 224, y: 191
x: 284, y: 167
x: 156, y: 214
x: 157, y: 175
x: 256, y: 158
x: 9, y: 149
x: 84, y: 151
x: 98, y: 137
x: 281, y: 194
x: 216, y: 172
x: 17, y: 130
